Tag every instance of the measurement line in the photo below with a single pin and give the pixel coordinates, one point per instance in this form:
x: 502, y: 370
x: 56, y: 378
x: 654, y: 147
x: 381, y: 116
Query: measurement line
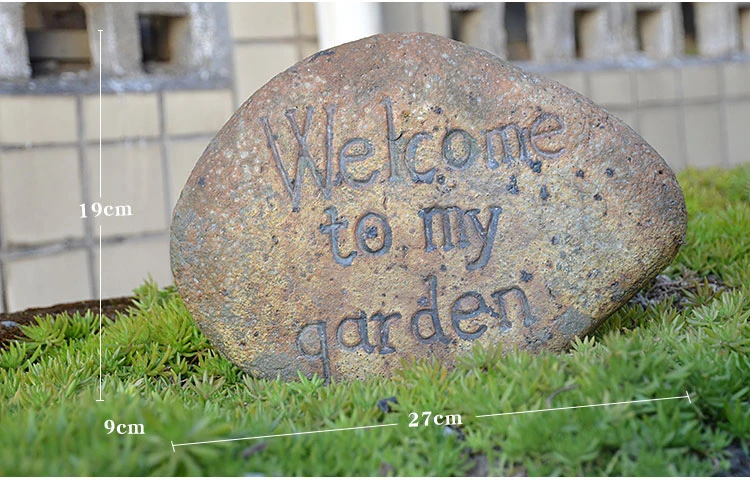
x: 100, y: 314
x: 100, y: 114
x: 280, y: 435
x: 583, y: 406
x: 100, y: 226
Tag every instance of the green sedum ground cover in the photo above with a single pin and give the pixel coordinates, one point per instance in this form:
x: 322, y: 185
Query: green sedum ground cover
x: 160, y: 372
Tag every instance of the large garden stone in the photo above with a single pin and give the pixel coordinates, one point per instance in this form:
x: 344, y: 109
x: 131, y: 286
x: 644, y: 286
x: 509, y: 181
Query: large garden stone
x: 406, y: 195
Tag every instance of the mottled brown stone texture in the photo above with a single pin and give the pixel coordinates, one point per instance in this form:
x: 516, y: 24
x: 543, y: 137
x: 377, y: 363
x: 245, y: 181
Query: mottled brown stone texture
x: 406, y: 195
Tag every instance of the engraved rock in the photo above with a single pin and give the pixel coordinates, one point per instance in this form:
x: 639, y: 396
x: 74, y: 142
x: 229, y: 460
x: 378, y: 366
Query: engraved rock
x: 406, y: 195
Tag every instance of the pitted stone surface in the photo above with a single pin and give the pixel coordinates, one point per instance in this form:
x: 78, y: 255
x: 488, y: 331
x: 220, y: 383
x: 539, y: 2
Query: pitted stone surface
x: 406, y: 195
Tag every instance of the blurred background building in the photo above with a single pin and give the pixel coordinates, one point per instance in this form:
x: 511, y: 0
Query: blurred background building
x: 173, y: 73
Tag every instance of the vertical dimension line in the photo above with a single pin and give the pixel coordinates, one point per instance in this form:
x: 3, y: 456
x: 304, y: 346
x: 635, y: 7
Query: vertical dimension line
x: 100, y: 118
x: 100, y: 315
x: 100, y: 225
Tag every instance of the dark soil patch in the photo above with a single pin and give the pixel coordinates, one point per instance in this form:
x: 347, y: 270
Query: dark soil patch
x: 740, y: 462
x: 687, y: 290
x: 480, y: 466
x: 10, y: 322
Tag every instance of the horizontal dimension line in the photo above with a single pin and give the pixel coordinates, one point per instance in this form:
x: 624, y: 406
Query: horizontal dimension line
x: 282, y: 435
x: 581, y: 406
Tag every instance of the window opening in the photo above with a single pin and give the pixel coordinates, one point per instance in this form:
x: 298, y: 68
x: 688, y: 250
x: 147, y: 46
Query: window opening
x: 161, y: 38
x: 517, y: 33
x: 57, y: 38
x: 688, y: 27
x: 584, y: 22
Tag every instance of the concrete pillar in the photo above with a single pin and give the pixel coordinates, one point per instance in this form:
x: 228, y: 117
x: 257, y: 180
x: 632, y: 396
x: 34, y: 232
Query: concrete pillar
x: 716, y: 28
x: 14, y: 53
x: 345, y: 22
x: 661, y: 31
x: 606, y: 31
x: 207, y: 49
x: 551, y: 32
x: 617, y: 38
x: 121, y: 46
x: 484, y: 27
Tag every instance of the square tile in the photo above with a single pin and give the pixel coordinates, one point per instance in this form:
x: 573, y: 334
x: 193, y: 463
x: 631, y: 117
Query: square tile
x: 34, y: 119
x: 657, y: 86
x: 612, y: 88
x: 573, y: 80
x: 183, y: 155
x: 48, y: 280
x: 129, y: 115
x: 660, y: 127
x: 738, y: 119
x: 309, y: 48
x: 131, y: 176
x: 197, y: 111
x: 125, y: 266
x: 256, y: 64
x: 703, y: 136
x: 261, y: 20
x: 737, y: 78
x: 624, y: 114
x: 700, y: 81
x: 41, y: 194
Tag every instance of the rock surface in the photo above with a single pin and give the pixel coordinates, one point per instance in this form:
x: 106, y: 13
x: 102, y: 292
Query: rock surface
x: 406, y: 195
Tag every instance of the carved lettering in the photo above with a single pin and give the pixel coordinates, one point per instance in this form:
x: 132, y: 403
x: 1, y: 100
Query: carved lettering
x: 486, y: 234
x: 356, y: 150
x: 332, y: 230
x: 546, y: 126
x: 513, y: 304
x: 330, y: 111
x: 384, y: 322
x: 352, y: 334
x: 391, y: 139
x: 363, y: 340
x: 365, y: 233
x: 505, y: 137
x: 304, y: 158
x: 461, y: 156
x: 428, y: 214
x: 511, y: 144
x: 432, y: 312
x: 459, y: 315
x: 317, y: 333
x: 411, y: 152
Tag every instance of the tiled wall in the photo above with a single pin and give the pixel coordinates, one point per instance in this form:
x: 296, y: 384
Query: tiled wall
x: 267, y: 39
x: 49, y: 165
x: 694, y: 111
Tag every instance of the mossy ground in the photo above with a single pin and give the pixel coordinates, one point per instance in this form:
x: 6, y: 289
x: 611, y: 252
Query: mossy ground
x: 160, y: 371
